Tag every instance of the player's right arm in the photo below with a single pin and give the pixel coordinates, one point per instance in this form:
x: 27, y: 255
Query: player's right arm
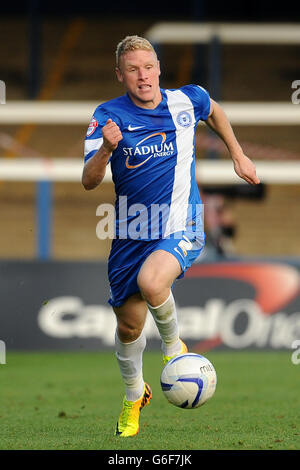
x: 95, y: 168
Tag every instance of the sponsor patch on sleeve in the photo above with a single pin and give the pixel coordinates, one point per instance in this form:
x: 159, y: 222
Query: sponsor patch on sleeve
x: 92, y: 127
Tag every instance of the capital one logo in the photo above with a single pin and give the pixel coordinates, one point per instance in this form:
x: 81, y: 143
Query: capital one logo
x: 2, y: 92
x: 275, y: 285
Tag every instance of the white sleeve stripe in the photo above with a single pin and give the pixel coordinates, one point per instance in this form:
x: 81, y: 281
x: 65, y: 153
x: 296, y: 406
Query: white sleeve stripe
x: 92, y: 144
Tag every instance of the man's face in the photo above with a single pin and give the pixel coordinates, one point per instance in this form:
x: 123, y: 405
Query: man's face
x: 139, y: 72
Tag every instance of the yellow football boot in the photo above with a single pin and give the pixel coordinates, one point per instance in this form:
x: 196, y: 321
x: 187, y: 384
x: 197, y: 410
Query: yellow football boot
x: 128, y: 423
x: 184, y: 350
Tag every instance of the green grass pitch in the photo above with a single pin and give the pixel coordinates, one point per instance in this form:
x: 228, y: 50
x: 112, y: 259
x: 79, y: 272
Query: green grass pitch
x: 72, y: 401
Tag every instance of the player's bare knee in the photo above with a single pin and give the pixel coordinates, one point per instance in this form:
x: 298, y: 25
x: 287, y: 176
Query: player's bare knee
x: 128, y: 332
x: 127, y: 335
x: 150, y: 287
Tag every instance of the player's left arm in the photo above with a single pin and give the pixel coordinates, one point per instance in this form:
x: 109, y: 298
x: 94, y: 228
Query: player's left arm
x: 219, y: 123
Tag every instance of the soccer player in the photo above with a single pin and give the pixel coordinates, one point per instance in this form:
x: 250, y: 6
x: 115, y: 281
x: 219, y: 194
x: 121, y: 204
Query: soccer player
x: 147, y: 135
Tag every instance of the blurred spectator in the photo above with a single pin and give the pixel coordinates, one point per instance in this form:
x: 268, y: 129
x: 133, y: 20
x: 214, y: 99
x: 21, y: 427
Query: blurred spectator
x: 219, y: 227
x: 219, y: 222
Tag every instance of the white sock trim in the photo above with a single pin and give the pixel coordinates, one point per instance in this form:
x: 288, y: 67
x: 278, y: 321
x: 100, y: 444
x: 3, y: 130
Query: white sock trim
x: 161, y: 305
x: 131, y: 342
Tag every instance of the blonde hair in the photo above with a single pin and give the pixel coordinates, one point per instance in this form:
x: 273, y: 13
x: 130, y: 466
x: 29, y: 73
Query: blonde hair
x: 132, y: 43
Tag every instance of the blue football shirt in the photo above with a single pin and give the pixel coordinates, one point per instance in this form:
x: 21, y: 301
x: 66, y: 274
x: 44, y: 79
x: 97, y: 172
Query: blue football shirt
x: 153, y: 167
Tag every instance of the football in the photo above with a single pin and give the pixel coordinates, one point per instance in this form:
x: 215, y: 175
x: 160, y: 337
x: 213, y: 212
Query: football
x: 188, y: 380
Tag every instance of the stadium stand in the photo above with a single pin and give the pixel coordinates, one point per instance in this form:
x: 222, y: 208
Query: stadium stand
x: 83, y: 60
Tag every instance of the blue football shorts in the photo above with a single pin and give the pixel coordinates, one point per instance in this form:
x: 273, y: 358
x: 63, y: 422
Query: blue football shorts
x: 127, y: 257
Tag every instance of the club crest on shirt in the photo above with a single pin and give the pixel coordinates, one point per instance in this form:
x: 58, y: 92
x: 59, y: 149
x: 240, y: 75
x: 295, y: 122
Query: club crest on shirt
x: 92, y: 127
x: 184, y: 119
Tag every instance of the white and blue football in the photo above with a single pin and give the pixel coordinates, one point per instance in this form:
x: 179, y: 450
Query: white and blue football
x: 188, y: 380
